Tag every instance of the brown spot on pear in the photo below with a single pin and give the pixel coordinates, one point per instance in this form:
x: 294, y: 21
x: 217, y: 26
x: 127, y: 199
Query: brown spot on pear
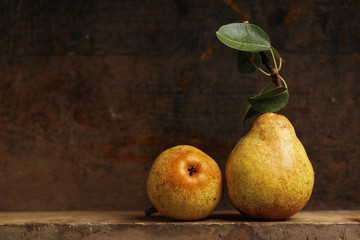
x: 181, y: 182
x: 268, y: 173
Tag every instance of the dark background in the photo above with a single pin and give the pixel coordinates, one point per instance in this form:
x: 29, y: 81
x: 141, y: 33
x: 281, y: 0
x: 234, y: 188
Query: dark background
x: 92, y: 91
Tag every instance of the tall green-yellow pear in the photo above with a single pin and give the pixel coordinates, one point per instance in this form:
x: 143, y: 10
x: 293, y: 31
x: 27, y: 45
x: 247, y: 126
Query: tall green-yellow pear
x: 184, y: 183
x: 268, y: 173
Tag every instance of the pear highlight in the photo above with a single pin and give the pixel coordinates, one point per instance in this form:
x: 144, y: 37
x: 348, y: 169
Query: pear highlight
x: 268, y: 174
x: 184, y: 183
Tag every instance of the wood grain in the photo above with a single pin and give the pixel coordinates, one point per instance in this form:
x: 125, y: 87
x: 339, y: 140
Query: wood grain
x: 132, y: 224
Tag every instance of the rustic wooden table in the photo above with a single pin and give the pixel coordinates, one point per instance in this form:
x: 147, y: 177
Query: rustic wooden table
x: 133, y: 225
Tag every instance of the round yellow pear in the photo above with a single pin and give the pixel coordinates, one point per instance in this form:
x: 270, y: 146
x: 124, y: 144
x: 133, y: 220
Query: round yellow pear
x: 184, y: 183
x: 268, y: 173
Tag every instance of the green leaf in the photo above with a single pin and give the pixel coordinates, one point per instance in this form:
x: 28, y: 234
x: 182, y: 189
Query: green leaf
x: 248, y: 62
x: 249, y: 112
x: 276, y: 54
x: 270, y: 101
x: 244, y: 36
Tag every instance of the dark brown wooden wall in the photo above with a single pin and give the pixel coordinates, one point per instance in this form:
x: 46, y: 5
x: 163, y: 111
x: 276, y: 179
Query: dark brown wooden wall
x: 92, y: 91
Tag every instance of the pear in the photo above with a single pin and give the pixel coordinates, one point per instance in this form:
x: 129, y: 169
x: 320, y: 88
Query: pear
x: 268, y: 173
x: 184, y: 183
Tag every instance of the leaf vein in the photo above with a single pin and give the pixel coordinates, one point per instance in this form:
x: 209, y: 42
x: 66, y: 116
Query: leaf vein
x: 244, y: 43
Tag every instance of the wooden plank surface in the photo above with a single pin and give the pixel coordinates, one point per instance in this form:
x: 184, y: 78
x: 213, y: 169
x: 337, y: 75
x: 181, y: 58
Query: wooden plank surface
x: 133, y: 225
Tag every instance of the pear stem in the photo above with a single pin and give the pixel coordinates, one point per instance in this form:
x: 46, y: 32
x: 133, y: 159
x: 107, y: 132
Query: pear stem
x: 148, y: 212
x: 273, y: 71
